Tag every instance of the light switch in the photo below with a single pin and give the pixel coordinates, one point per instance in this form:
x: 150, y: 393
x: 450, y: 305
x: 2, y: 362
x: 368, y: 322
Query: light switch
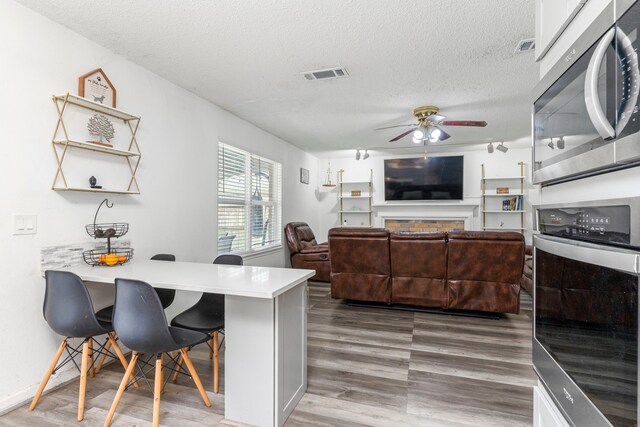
x: 25, y: 224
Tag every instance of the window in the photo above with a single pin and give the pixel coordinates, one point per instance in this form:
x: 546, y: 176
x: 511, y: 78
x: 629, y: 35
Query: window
x: 249, y: 201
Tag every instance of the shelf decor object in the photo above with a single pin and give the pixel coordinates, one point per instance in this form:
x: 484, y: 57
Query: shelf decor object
x: 96, y: 86
x: 501, y: 207
x: 355, y: 201
x: 101, y: 127
x: 327, y: 181
x: 62, y: 143
x: 109, y: 256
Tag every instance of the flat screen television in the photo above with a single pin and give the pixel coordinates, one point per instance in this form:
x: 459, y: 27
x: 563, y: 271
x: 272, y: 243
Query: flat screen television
x: 433, y: 178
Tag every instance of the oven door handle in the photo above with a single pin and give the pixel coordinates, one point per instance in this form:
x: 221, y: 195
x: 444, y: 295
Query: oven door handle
x: 609, y: 257
x: 591, y: 96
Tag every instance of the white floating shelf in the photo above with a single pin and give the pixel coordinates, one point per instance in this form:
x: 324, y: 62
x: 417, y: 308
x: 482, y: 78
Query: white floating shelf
x: 98, y: 148
x: 503, y: 195
x: 355, y: 197
x: 94, y: 190
x: 355, y: 182
x: 355, y: 212
x: 493, y: 178
x: 502, y: 228
x: 497, y: 211
x: 95, y: 106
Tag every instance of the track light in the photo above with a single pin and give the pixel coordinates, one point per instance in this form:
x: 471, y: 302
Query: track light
x: 560, y: 143
x: 501, y: 147
x: 550, y: 144
x: 490, y: 148
x: 358, y: 154
x: 366, y: 155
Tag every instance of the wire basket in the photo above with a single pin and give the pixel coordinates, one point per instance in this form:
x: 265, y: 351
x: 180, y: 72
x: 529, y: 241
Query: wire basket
x: 107, y: 230
x: 104, y: 257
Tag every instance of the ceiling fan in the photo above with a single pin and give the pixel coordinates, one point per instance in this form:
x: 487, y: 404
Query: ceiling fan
x: 429, y: 126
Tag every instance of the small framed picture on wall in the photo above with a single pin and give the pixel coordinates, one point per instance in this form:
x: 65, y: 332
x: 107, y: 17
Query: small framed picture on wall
x: 304, y: 176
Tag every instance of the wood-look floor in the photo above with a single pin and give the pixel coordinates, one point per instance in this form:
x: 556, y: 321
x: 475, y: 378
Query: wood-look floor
x: 366, y: 367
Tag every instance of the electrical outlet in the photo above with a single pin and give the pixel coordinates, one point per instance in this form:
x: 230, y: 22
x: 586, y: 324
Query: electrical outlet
x: 25, y: 224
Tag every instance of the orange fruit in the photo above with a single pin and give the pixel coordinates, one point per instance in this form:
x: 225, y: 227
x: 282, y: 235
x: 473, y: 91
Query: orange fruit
x: 102, y: 258
x: 111, y: 259
x: 122, y: 258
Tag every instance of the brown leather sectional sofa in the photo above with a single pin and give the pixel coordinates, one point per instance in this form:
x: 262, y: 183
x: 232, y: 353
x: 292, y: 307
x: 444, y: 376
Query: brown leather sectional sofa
x: 305, y: 251
x: 465, y: 270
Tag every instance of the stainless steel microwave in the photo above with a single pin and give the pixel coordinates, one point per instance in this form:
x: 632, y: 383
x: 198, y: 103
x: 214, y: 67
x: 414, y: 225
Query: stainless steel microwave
x: 585, y: 110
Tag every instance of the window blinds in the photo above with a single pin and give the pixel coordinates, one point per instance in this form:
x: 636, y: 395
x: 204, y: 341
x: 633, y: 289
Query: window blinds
x: 249, y: 201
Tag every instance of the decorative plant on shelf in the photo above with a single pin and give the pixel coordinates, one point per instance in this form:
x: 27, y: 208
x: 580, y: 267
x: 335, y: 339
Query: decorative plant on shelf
x: 101, y: 127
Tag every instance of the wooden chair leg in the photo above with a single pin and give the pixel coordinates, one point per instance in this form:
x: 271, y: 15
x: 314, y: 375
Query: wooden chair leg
x: 215, y: 362
x: 174, y: 378
x: 83, y: 379
x: 123, y: 385
x: 211, y: 351
x: 47, y: 375
x: 157, y: 391
x: 107, y: 346
x: 194, y: 375
x: 123, y: 360
x: 92, y: 370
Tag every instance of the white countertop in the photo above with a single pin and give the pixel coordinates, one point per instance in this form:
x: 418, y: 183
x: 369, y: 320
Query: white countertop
x: 246, y: 281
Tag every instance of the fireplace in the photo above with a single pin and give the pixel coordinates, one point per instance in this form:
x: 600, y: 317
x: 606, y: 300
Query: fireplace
x: 424, y: 224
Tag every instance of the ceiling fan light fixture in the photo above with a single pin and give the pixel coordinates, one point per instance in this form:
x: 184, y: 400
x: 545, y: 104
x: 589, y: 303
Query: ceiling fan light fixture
x: 366, y: 155
x: 358, y: 154
x: 435, y: 135
x: 490, y: 148
x: 419, y: 134
x: 417, y: 140
x: 502, y: 148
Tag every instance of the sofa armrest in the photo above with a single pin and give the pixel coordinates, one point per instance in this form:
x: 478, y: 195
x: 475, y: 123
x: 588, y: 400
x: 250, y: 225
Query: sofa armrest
x: 314, y: 249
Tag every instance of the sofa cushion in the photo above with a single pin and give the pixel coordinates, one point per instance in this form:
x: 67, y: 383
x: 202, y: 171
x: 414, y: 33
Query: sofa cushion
x: 418, y: 268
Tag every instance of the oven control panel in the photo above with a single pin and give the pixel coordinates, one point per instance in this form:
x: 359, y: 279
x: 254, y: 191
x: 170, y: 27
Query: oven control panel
x: 603, y: 224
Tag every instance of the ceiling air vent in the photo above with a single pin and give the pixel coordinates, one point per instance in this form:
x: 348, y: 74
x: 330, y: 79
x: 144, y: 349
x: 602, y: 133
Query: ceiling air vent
x: 329, y: 73
x: 526, y: 45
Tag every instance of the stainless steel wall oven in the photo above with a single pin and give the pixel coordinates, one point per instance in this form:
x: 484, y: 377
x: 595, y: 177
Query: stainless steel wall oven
x: 585, y: 111
x: 586, y: 275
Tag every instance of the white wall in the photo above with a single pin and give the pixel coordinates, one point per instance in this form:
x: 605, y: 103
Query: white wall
x: 176, y: 212
x: 496, y: 164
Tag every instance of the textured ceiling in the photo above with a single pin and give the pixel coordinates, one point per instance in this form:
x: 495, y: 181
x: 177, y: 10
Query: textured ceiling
x: 246, y: 56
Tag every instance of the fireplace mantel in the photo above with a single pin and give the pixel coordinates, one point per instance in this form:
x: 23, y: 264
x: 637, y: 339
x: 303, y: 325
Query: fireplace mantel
x: 465, y: 210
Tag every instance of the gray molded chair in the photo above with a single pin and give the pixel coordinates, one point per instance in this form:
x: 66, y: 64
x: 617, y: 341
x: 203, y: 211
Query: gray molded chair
x: 166, y: 298
x: 69, y: 312
x: 139, y: 320
x: 207, y: 316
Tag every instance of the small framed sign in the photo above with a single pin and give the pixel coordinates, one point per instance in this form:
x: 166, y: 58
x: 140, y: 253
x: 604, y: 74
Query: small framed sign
x: 304, y: 176
x: 96, y: 87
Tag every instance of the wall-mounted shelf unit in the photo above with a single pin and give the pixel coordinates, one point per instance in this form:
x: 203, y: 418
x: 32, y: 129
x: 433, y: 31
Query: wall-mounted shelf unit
x: 503, y: 211
x: 355, y: 201
x: 61, y: 146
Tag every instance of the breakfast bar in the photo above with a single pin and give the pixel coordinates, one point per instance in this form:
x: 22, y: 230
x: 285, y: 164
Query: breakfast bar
x: 265, y: 328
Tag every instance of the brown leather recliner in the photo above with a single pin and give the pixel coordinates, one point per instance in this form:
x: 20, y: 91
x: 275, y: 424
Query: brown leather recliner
x: 526, y: 282
x: 484, y: 270
x: 306, y: 252
x: 360, y: 265
x: 419, y: 268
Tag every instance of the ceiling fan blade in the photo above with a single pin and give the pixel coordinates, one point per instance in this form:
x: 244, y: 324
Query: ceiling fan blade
x: 443, y: 135
x: 435, y: 118
x: 396, y: 126
x: 464, y: 123
x: 402, y: 135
